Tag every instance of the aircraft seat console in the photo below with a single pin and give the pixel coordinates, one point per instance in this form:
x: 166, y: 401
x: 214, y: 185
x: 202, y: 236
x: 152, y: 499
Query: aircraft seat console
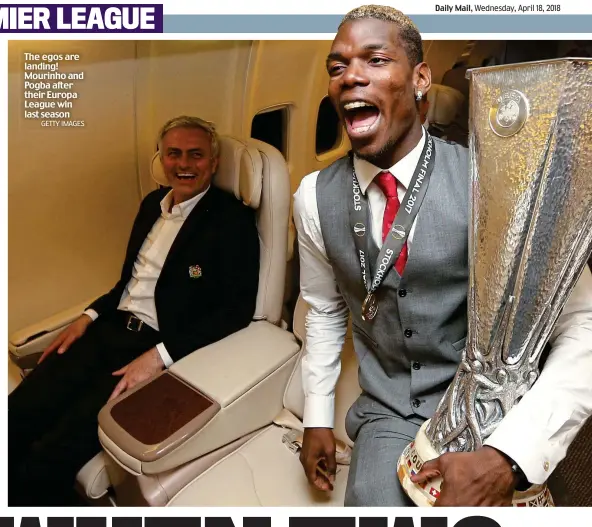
x: 266, y: 471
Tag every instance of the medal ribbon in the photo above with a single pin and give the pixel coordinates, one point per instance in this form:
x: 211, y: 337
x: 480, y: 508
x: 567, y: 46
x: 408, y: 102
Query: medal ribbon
x: 399, y: 232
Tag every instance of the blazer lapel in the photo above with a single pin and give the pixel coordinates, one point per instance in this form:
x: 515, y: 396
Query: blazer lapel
x: 198, y: 215
x: 145, y: 227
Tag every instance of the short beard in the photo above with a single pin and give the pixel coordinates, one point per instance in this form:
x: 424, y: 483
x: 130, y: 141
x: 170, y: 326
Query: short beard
x: 381, y: 158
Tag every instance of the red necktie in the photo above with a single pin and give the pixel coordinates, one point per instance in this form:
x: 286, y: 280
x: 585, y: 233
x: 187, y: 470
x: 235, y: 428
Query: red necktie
x: 388, y: 184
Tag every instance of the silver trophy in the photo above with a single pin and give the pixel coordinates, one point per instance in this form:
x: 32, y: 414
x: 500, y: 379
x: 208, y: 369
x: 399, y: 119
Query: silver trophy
x: 530, y: 237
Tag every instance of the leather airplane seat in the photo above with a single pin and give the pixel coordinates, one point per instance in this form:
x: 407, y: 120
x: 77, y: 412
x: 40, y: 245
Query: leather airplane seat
x: 238, y: 373
x: 444, y: 114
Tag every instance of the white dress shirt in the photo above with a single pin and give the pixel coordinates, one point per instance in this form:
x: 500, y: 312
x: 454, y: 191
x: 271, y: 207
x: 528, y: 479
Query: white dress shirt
x: 536, y: 432
x: 138, y: 295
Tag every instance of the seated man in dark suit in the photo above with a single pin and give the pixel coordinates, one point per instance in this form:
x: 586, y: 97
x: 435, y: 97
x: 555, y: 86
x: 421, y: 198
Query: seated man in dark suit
x: 189, y: 278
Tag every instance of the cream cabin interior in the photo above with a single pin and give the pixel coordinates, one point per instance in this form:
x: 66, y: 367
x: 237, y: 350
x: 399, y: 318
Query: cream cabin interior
x: 73, y: 194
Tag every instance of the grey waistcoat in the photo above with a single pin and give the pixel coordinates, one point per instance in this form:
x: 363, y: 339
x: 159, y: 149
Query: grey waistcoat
x: 410, y: 352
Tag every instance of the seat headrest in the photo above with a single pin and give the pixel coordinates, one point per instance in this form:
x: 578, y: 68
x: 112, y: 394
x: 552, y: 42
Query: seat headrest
x: 445, y: 104
x: 240, y: 171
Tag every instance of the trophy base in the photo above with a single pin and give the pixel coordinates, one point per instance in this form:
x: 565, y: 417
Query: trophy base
x: 421, y: 450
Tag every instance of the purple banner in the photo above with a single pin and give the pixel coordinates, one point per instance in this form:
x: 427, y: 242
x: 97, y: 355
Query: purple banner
x: 77, y: 18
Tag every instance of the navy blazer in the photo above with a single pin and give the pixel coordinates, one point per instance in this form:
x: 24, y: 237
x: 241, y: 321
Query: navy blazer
x: 207, y: 288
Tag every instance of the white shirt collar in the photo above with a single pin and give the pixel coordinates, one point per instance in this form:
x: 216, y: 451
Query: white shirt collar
x: 182, y: 209
x: 402, y: 170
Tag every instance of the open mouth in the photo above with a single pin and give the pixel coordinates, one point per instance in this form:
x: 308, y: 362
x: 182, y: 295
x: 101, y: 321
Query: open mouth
x: 185, y: 177
x: 361, y: 118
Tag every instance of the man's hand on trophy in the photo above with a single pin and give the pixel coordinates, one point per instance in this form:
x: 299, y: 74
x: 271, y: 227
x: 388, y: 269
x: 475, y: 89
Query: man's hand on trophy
x: 470, y: 479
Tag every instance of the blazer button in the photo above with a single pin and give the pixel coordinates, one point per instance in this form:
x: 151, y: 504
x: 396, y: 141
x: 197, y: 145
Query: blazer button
x: 402, y: 292
x: 416, y: 365
x: 416, y: 403
x: 408, y: 333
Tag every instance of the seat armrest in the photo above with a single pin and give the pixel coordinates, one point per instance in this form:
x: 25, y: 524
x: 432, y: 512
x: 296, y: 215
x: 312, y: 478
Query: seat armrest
x: 232, y: 366
x: 243, y: 377
x: 26, y: 345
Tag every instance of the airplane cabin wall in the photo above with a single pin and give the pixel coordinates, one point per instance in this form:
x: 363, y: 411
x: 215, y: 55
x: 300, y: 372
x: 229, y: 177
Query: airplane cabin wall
x: 202, y: 78
x: 292, y: 74
x: 441, y: 55
x: 68, y: 229
x: 72, y: 192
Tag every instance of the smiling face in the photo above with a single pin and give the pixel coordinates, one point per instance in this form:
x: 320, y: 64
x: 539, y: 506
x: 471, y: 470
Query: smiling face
x: 186, y: 155
x: 373, y: 85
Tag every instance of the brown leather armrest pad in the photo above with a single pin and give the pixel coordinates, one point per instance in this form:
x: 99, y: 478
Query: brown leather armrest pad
x: 162, y: 413
x: 159, y: 409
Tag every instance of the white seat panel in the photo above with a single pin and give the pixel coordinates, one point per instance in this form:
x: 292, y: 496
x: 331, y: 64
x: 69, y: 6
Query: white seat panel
x: 93, y: 479
x: 263, y: 472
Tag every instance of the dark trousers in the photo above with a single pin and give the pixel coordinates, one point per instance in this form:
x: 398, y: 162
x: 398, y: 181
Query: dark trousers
x: 52, y: 414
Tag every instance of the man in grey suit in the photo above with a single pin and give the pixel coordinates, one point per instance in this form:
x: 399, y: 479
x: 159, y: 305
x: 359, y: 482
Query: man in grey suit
x: 409, y: 309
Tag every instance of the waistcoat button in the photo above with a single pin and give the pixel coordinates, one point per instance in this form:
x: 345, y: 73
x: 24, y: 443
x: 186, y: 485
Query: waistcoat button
x: 416, y: 403
x: 416, y: 365
x: 402, y: 292
x: 408, y: 333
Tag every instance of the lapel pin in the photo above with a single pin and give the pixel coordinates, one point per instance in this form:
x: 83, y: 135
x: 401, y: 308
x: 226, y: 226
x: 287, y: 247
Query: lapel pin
x: 194, y: 271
